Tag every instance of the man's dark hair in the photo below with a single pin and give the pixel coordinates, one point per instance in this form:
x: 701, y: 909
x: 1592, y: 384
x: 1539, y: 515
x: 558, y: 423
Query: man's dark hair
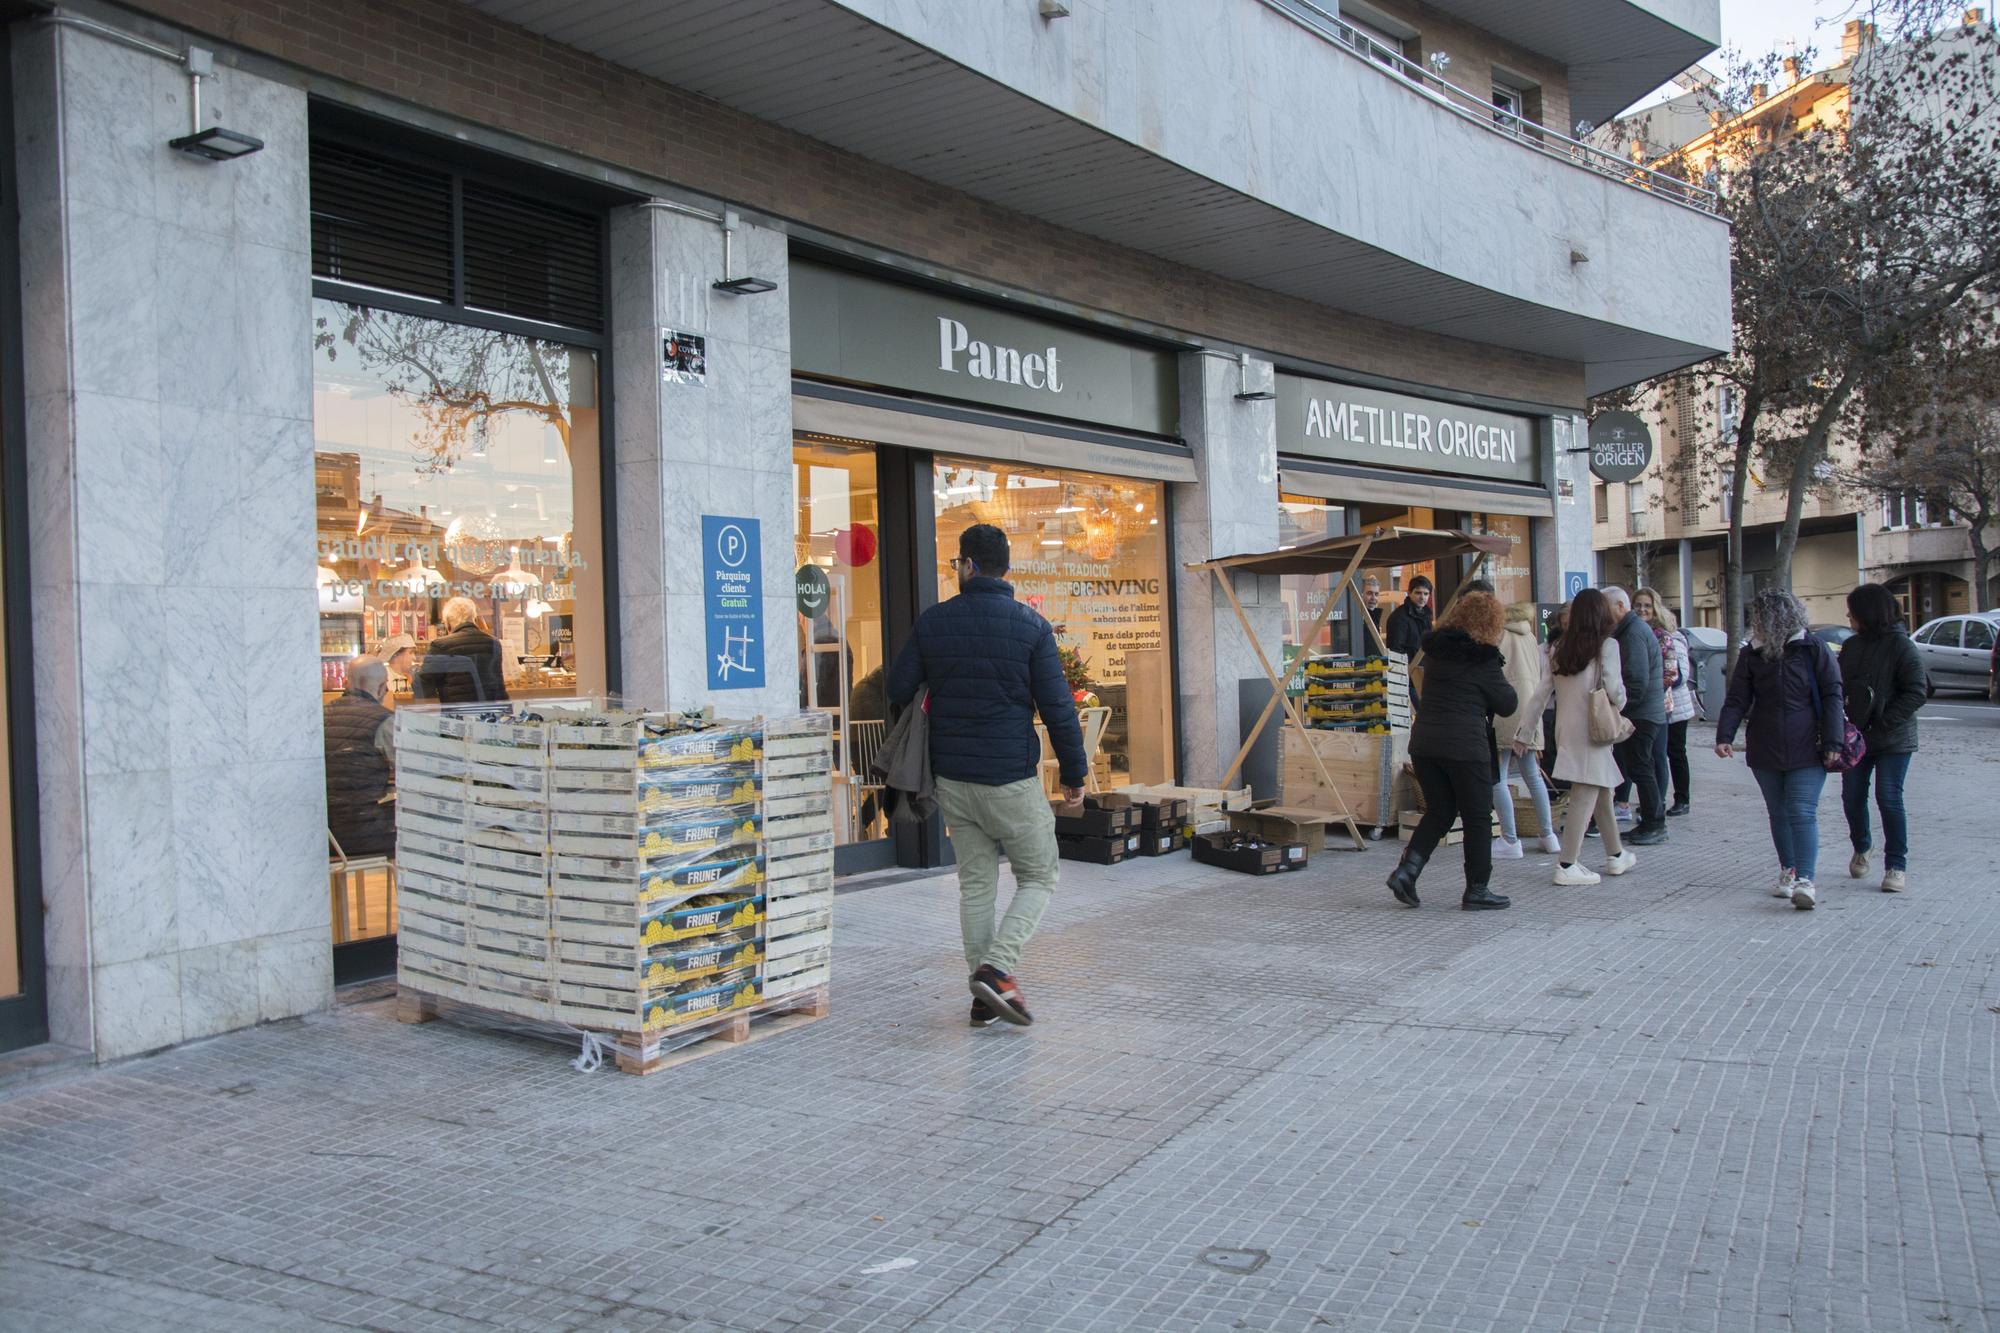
x: 1873, y: 608
x: 1473, y: 585
x: 1421, y: 582
x: 986, y: 546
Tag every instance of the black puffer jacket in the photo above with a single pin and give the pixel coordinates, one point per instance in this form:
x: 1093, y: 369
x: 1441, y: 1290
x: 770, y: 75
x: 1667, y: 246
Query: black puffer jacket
x: 357, y: 776
x: 1408, y: 624
x: 1882, y: 677
x: 1465, y: 688
x: 462, y: 667
x: 1645, y: 669
x: 991, y: 664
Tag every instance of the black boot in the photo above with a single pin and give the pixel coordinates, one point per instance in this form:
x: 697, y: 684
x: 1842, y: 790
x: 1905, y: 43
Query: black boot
x: 1403, y: 879
x: 1479, y: 898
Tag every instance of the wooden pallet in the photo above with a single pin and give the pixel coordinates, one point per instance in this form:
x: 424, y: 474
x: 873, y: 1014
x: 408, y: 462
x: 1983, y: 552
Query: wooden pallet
x: 783, y: 1015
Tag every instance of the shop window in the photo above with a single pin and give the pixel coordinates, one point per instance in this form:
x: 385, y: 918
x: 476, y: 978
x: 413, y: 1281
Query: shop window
x: 836, y: 547
x: 1090, y: 554
x: 1513, y: 574
x: 451, y: 462
x: 1302, y: 520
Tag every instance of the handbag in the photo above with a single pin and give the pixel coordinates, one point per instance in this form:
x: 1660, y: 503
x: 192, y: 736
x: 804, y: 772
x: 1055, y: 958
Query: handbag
x: 1608, y: 726
x: 1848, y: 753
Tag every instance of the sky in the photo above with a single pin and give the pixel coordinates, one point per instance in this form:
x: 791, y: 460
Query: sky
x: 1757, y: 27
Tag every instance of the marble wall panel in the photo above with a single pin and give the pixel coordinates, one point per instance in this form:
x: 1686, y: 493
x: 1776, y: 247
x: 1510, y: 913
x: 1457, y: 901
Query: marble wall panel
x: 114, y: 299
x: 294, y: 974
x: 219, y: 988
x: 137, y: 1006
x: 272, y: 320
x: 120, y: 523
x: 122, y: 637
x: 129, y: 834
x: 282, y: 708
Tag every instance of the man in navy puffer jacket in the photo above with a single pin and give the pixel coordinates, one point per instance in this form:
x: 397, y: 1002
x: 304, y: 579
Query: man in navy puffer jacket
x: 991, y: 665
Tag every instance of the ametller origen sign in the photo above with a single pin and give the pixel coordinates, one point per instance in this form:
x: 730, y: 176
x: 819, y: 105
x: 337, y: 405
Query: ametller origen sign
x: 1350, y: 423
x: 1620, y: 446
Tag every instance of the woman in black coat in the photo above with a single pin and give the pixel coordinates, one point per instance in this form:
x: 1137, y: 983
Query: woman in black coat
x: 1452, y: 747
x: 1883, y: 680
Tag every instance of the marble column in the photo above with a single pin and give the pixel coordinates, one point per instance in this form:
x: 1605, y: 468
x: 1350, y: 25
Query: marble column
x: 1231, y: 509
x: 167, y: 345
x: 722, y: 446
x: 1570, y: 552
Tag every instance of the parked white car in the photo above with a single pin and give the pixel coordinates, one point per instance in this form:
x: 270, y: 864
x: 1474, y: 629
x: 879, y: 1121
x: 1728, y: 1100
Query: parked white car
x: 1958, y: 650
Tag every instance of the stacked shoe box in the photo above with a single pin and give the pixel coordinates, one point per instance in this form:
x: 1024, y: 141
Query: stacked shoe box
x: 798, y: 833
x: 658, y: 872
x: 433, y: 827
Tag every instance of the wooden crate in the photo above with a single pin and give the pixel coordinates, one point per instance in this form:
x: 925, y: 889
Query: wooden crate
x: 1452, y: 838
x: 651, y: 1052
x: 1363, y: 768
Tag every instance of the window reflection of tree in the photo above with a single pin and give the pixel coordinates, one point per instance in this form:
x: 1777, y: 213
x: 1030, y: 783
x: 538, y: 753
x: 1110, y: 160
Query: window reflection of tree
x: 457, y: 377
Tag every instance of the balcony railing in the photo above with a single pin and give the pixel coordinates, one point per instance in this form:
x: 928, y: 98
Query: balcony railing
x: 1481, y: 111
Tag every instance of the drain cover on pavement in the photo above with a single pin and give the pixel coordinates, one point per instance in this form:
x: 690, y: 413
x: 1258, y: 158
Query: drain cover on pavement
x: 1235, y: 1261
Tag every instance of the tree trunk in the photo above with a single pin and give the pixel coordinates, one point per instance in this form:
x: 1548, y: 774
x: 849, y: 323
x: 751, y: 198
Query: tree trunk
x: 1982, y: 563
x: 1812, y: 452
x: 1732, y: 557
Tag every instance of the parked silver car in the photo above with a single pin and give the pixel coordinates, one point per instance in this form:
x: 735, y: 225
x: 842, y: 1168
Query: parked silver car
x: 1958, y: 650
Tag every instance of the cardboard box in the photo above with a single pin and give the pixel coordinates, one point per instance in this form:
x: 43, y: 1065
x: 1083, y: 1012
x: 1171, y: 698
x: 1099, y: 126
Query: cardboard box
x: 1270, y: 859
x: 1102, y: 851
x: 1160, y: 842
x: 1279, y: 823
x: 1089, y: 823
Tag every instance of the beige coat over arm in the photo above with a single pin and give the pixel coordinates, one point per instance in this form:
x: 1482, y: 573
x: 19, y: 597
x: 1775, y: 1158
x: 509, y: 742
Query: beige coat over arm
x: 1577, y: 759
x: 1521, y: 658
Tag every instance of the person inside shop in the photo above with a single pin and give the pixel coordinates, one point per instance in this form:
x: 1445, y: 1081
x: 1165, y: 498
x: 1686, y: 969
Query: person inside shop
x: 1371, y: 599
x: 463, y: 664
x: 991, y: 664
x: 399, y: 653
x: 360, y: 736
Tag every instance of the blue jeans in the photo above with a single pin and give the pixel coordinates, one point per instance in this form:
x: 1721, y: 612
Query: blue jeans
x: 1531, y: 777
x: 1791, y: 798
x: 1888, y: 770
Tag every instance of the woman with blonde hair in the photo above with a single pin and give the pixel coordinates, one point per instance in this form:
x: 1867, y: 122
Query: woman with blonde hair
x: 1585, y: 660
x: 1452, y: 748
x: 1520, y: 733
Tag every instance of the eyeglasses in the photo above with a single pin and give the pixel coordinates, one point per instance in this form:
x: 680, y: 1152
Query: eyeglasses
x: 961, y: 565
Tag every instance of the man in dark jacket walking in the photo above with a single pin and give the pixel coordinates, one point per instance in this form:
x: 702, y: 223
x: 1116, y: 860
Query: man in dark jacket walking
x: 1646, y: 706
x: 991, y: 665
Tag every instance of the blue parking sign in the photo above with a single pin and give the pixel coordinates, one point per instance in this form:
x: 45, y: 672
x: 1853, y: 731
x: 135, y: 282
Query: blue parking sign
x: 1574, y: 583
x: 733, y: 600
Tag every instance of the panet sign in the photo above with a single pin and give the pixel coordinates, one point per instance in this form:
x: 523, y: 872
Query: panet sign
x: 863, y: 330
x: 1348, y: 423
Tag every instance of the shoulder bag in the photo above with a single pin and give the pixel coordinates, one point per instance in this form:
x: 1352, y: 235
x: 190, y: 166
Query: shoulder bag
x: 1848, y: 749
x: 1608, y: 726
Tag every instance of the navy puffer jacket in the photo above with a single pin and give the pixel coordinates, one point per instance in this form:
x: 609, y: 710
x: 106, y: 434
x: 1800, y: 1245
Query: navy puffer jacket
x: 1790, y: 709
x: 991, y: 664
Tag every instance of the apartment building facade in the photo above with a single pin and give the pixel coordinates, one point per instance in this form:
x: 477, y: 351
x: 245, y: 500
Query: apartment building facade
x: 325, y: 314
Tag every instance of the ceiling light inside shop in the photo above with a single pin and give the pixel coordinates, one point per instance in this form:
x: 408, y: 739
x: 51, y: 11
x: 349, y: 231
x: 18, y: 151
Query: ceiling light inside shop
x: 515, y: 581
x: 1067, y: 509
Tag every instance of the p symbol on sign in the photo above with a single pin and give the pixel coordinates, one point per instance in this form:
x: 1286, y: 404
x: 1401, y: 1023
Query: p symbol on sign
x: 731, y: 545
x: 1573, y: 583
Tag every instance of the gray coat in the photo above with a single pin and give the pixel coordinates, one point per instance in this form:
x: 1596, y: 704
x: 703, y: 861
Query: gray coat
x: 1644, y: 668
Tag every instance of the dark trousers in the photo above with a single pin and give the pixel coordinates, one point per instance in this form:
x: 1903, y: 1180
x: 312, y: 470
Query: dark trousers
x: 1459, y: 789
x: 1661, y: 767
x: 1677, y: 759
x: 1638, y: 760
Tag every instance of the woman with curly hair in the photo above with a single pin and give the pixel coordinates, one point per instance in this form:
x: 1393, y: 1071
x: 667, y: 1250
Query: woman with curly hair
x: 1452, y: 748
x: 1786, y: 686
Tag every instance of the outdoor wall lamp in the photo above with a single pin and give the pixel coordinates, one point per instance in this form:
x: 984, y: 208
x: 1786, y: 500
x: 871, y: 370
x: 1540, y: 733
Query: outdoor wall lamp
x: 214, y: 144
x: 1055, y: 9
x: 1254, y: 383
x: 743, y: 286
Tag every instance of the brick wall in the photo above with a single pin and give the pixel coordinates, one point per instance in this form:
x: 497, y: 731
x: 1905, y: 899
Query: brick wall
x: 444, y: 56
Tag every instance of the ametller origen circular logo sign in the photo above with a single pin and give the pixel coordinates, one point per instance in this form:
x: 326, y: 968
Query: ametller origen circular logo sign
x: 1620, y: 446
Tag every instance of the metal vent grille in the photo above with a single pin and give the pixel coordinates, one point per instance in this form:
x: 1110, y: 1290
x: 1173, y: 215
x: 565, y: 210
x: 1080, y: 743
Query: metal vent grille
x: 528, y: 258
x: 399, y: 226
x: 380, y: 222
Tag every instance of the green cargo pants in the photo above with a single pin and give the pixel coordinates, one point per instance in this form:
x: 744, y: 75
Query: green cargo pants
x: 984, y: 820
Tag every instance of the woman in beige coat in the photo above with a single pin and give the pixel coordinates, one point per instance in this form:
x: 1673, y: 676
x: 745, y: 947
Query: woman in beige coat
x: 1526, y: 667
x: 1585, y: 659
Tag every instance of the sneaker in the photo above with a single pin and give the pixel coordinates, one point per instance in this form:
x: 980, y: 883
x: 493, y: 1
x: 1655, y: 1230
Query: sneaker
x: 1678, y: 808
x: 1803, y: 896
x: 1622, y: 862
x: 983, y: 1015
x: 1857, y: 866
x: 1001, y: 994
x: 1648, y: 835
x: 1893, y: 881
x: 1576, y: 874
x: 1783, y: 888
x: 1552, y: 844
x: 1622, y: 812
x: 1592, y: 832
x: 1507, y: 849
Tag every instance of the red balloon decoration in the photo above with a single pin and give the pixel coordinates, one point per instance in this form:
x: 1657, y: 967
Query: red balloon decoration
x: 855, y: 546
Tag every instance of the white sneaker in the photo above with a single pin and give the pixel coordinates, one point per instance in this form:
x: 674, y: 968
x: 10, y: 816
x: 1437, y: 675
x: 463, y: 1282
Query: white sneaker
x: 1803, y: 897
x: 1551, y: 844
x: 1507, y: 849
x: 1857, y: 866
x: 1893, y: 881
x: 1622, y: 862
x: 1576, y: 874
x: 1783, y: 888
